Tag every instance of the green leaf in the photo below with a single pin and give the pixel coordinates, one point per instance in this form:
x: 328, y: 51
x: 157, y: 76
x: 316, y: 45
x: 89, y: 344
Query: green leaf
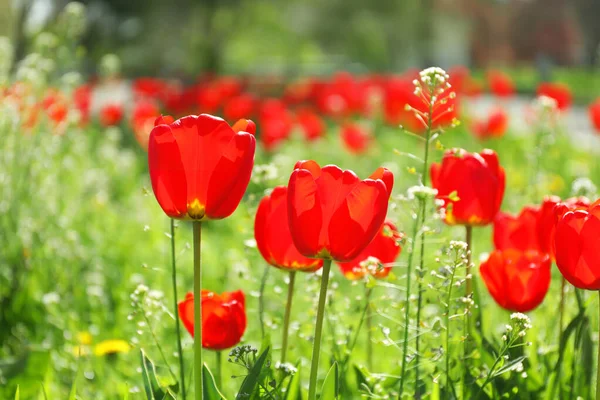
x: 211, y: 392
x: 362, y: 375
x: 509, y: 366
x: 331, y: 386
x: 250, y: 382
x: 17, y: 393
x: 151, y: 386
x: 293, y: 391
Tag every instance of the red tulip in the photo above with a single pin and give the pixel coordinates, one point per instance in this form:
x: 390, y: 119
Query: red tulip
x: 500, y: 84
x: 276, y: 123
x: 576, y: 245
x: 111, y: 114
x: 532, y: 229
x: 517, y: 280
x: 273, y: 237
x: 199, y: 166
x: 223, y: 318
x: 332, y: 213
x: 355, y: 138
x: 557, y: 91
x: 594, y: 111
x: 311, y: 124
x: 494, y: 127
x: 376, y: 258
x: 145, y: 113
x: 476, y: 179
x: 237, y: 107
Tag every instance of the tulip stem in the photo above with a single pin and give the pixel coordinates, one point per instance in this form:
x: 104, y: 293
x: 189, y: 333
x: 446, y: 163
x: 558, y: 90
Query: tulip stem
x: 219, y: 372
x: 469, y: 240
x: 407, y: 305
x: 176, y: 311
x: 561, y: 306
x: 314, y: 367
x: 369, y: 332
x: 197, y: 227
x: 286, y: 318
x: 598, y: 361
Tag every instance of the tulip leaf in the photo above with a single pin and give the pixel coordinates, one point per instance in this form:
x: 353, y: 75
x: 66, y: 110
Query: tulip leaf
x: 293, y: 391
x: 251, y: 381
x: 211, y: 392
x: 151, y: 386
x: 331, y: 386
x: 17, y: 393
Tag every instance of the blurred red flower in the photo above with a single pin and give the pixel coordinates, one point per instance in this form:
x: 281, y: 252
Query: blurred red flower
x: 476, y: 179
x: 377, y: 257
x: 517, y: 280
x: 334, y: 214
x: 240, y: 106
x: 199, y: 166
x: 145, y: 113
x: 594, y: 112
x: 493, y: 127
x: 111, y: 114
x: 500, y: 83
x: 355, y: 138
x: 312, y: 126
x: 557, y: 91
x: 223, y: 318
x: 273, y: 237
x: 576, y: 246
x: 532, y: 229
x: 276, y: 123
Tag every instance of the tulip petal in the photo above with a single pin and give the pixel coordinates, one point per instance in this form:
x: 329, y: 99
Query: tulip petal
x: 305, y: 214
x: 167, y: 172
x: 354, y: 224
x: 230, y: 176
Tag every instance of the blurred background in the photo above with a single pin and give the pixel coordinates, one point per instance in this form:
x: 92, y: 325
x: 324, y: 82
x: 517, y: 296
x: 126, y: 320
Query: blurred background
x: 185, y: 38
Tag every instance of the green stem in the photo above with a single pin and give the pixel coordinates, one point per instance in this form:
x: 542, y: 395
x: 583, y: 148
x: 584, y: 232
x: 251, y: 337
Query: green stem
x: 448, y: 300
x: 360, y: 323
x: 369, y: 334
x: 407, y: 306
x: 261, y: 300
x: 219, y: 372
x: 176, y: 311
x: 469, y: 239
x: 197, y: 226
x: 561, y: 306
x: 598, y: 361
x: 469, y: 291
x: 286, y: 318
x: 423, y: 208
x: 314, y: 367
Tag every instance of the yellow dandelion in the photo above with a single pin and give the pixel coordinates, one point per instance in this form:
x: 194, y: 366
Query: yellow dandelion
x: 84, y: 338
x: 112, y: 346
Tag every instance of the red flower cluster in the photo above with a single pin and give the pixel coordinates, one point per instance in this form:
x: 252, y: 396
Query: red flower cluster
x: 223, y: 318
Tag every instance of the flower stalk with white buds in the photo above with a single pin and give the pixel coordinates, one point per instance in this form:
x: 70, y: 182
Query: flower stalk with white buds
x: 433, y: 89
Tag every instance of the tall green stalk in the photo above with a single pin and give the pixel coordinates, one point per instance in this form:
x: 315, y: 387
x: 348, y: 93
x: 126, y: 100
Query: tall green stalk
x: 407, y: 305
x: 314, y: 367
x: 197, y: 227
x: 286, y: 318
x: 423, y: 208
x: 176, y: 311
x: 219, y: 372
x: 598, y: 360
x: 369, y: 332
